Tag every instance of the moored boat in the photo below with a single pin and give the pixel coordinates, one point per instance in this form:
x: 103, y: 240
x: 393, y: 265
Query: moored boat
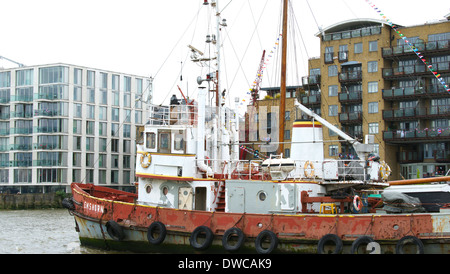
x: 194, y: 193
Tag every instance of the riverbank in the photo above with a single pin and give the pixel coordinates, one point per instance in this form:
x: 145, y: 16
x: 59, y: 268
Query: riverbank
x: 31, y: 201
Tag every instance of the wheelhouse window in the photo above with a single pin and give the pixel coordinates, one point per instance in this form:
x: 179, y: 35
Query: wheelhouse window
x: 151, y: 140
x: 179, y: 143
x: 164, y: 142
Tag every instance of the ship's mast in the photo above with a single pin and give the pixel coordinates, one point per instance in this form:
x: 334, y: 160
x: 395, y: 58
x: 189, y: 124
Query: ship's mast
x: 283, y: 78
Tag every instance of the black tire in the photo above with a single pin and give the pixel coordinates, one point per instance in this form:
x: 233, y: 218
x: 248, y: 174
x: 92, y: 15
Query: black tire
x: 209, y: 236
x: 263, y: 236
x: 406, y: 240
x: 330, y: 238
x: 68, y: 203
x: 227, y: 236
x: 115, y: 231
x: 156, y: 227
x: 363, y: 240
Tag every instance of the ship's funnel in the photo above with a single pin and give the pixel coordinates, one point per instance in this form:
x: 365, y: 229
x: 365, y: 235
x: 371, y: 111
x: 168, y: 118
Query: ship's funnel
x: 307, y: 141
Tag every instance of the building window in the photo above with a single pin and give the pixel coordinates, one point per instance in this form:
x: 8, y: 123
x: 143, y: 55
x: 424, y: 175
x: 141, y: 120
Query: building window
x: 333, y: 110
x: 77, y: 77
x: 5, y: 79
x: 102, y: 129
x: 104, y: 80
x: 90, y: 143
x: 126, y: 131
x: 115, y: 114
x: 333, y: 151
x: 373, y: 87
x: 90, y: 127
x: 115, y: 82
x: 90, y: 112
x: 52, y: 75
x: 114, y: 145
x: 287, y: 153
x: 373, y: 128
x: 373, y: 107
x: 373, y: 46
x: 127, y: 84
x: 90, y: 78
x: 372, y: 66
x: 24, y: 77
x: 77, y: 94
x: 332, y: 91
x: 358, y: 48
x: 332, y: 71
x: 115, y: 130
x: 103, y: 113
x: 287, y: 134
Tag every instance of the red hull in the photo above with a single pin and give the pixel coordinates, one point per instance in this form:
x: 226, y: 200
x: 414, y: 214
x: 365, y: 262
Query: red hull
x: 103, y: 204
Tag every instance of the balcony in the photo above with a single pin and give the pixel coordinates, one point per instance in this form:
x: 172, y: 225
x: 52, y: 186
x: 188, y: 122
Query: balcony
x: 415, y: 93
x: 313, y: 80
x: 442, y: 156
x: 405, y: 50
x: 22, y: 147
x: 404, y: 114
x: 416, y: 135
x: 352, y: 97
x: 310, y: 100
x: 349, y: 77
x: 414, y: 70
x: 350, y: 118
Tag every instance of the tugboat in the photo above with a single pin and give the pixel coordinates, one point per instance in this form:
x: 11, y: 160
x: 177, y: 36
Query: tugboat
x: 194, y: 194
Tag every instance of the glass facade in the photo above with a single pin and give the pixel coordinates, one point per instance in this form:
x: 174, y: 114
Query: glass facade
x: 56, y: 127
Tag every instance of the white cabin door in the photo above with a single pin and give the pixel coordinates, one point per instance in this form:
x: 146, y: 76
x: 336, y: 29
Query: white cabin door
x: 185, y: 198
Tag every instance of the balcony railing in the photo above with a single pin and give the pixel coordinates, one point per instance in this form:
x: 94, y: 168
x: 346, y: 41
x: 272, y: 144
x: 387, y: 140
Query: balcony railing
x: 350, y: 97
x: 414, y: 70
x: 404, y: 114
x: 311, y: 80
x: 354, y: 76
x: 416, y: 134
x: 422, y: 47
x: 350, y: 118
x: 415, y: 92
x: 311, y: 99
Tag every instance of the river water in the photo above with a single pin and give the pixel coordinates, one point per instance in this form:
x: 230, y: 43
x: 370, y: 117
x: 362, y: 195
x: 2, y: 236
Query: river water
x: 50, y: 231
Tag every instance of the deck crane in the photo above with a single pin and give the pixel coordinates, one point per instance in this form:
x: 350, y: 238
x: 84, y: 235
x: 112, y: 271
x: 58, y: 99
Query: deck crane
x: 256, y: 84
x: 12, y: 61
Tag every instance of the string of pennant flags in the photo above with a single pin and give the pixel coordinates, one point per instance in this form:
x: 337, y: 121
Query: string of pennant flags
x: 416, y: 50
x: 254, y: 152
x: 260, y: 73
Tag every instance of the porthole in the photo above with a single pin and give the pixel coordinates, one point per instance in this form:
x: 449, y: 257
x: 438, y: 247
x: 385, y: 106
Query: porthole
x: 165, y: 190
x: 148, y: 188
x: 262, y: 196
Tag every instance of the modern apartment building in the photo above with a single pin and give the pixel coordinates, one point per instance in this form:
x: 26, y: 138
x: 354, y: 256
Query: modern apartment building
x: 367, y: 81
x: 62, y: 123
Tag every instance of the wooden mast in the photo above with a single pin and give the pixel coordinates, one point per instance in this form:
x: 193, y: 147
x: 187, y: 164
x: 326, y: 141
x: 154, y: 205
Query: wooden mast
x: 283, y: 79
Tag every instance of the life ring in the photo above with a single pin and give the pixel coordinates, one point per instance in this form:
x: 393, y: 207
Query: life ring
x: 115, y: 231
x: 330, y: 238
x: 227, y: 236
x: 156, y: 227
x: 311, y: 166
x: 357, y: 203
x: 360, y: 241
x: 407, y: 240
x: 385, y: 170
x: 149, y: 159
x: 209, y: 236
x: 264, y: 236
